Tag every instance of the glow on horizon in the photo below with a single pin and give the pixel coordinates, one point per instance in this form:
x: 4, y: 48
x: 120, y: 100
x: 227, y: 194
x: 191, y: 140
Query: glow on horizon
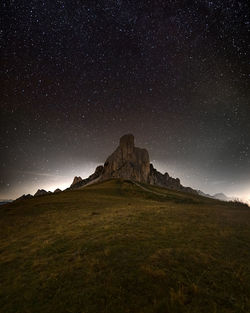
x: 49, y: 181
x: 199, y: 181
x: 53, y: 180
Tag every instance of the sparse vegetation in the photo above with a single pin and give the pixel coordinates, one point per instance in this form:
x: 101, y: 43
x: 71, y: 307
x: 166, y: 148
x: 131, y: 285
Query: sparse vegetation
x: 115, y: 247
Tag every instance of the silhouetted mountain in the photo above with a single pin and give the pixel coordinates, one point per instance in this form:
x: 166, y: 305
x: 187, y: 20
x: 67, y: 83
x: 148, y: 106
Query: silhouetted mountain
x: 92, y: 178
x: 24, y: 197
x: 4, y: 201
x: 57, y: 190
x: 132, y: 163
x: 222, y: 196
x: 41, y: 192
x: 201, y: 193
x: 77, y: 179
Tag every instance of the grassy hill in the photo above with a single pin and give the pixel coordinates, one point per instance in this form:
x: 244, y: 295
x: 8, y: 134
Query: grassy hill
x: 121, y: 247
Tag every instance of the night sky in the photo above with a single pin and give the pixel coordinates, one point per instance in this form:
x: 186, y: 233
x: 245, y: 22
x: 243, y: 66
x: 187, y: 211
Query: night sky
x: 76, y: 75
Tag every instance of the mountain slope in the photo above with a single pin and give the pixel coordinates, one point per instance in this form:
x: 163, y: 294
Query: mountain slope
x: 117, y: 246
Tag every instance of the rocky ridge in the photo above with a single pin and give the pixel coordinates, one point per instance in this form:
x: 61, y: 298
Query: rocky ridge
x: 76, y: 180
x: 133, y: 163
x: 57, y: 190
x: 96, y: 175
x: 25, y: 197
x: 41, y: 192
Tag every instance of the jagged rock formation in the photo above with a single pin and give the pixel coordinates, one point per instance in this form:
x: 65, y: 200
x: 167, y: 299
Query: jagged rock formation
x: 127, y: 162
x: 41, y: 192
x: 157, y: 178
x: 24, y: 197
x: 130, y: 162
x: 164, y: 180
x: 91, y: 178
x: 76, y: 180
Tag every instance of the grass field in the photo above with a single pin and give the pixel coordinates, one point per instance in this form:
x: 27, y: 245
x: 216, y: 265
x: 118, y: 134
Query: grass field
x: 117, y: 247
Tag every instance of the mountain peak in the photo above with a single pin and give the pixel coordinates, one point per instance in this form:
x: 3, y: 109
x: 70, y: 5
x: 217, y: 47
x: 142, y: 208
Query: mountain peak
x: 76, y: 180
x: 41, y: 192
x: 132, y: 163
x: 127, y: 162
x: 127, y: 143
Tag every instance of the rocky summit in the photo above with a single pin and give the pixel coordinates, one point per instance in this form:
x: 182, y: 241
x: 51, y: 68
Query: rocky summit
x: 132, y: 163
x: 57, y: 190
x: 41, y: 192
x: 127, y: 162
x: 76, y: 180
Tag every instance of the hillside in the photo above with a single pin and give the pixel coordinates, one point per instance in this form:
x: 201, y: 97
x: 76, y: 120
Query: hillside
x: 118, y: 246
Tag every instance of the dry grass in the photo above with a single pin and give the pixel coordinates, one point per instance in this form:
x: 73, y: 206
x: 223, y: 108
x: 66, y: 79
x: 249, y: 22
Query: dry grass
x: 113, y: 247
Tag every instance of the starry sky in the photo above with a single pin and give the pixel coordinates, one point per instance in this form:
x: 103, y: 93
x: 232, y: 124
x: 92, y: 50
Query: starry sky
x: 76, y: 75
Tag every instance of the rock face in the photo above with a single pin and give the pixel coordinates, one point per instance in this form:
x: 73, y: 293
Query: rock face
x: 130, y: 162
x: 57, y: 190
x: 91, y: 178
x: 157, y: 178
x: 164, y: 180
x: 76, y: 180
x: 127, y: 162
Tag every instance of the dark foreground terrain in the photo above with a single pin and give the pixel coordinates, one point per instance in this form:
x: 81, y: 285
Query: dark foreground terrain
x: 120, y: 247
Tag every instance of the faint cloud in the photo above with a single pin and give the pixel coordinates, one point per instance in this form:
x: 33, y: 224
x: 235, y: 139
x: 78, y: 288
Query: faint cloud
x: 40, y: 174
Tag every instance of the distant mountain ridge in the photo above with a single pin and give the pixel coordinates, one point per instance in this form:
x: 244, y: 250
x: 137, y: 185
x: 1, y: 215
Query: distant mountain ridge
x: 130, y: 163
x: 220, y: 196
x: 4, y: 201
